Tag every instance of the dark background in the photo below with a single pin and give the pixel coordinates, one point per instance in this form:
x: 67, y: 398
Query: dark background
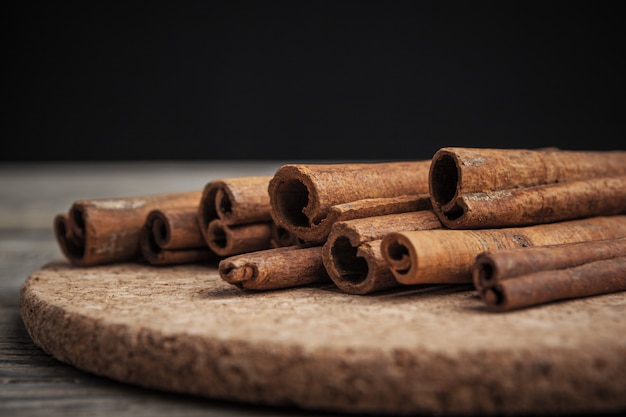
x: 308, y: 80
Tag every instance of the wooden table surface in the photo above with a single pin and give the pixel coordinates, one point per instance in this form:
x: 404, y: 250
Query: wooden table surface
x: 32, y: 383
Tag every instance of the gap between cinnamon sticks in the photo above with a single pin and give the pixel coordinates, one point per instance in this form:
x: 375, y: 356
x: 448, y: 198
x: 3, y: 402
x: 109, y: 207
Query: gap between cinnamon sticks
x: 279, y: 237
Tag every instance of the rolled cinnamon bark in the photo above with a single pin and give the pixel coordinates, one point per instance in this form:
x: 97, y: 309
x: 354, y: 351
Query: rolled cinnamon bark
x: 240, y: 200
x: 172, y: 236
x: 494, y: 266
x: 302, y: 196
x: 447, y: 256
x: 227, y: 240
x: 352, y: 255
x: 103, y: 231
x: 588, y: 279
x: 275, y: 268
x: 479, y: 188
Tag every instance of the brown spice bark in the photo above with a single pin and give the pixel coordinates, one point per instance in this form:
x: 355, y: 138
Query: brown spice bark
x: 275, y: 268
x: 103, y: 231
x: 227, y: 240
x: 480, y: 188
x: 173, y: 236
x: 588, y: 279
x: 302, y: 196
x: 447, y: 256
x: 352, y: 255
x: 239, y: 200
x: 494, y: 266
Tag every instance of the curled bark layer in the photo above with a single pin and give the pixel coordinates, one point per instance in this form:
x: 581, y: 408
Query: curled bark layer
x: 352, y: 255
x: 239, y: 200
x: 173, y: 236
x: 447, y: 256
x: 302, y: 196
x: 479, y: 188
x: 103, y: 231
x: 274, y: 268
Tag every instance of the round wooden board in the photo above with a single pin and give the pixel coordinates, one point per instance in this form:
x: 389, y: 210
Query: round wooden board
x: 431, y: 349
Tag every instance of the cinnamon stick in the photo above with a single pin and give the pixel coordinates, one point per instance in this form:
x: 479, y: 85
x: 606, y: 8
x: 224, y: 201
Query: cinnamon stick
x: 479, y: 188
x: 302, y: 195
x: 275, y: 268
x: 102, y: 231
x: 447, y: 255
x: 491, y: 267
x: 227, y: 240
x: 352, y: 255
x: 172, y: 236
x: 584, y: 280
x: 239, y: 200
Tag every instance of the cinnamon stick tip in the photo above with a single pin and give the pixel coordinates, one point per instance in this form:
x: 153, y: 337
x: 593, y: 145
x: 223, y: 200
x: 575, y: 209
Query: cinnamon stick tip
x: 60, y: 224
x: 235, y: 274
x: 206, y: 206
x: 494, y: 297
x: 72, y: 247
x: 159, y: 227
x: 443, y: 177
x: 483, y: 271
x: 396, y: 254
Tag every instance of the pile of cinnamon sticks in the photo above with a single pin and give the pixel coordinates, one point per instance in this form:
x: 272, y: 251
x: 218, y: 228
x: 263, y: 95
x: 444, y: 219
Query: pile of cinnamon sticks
x: 525, y: 227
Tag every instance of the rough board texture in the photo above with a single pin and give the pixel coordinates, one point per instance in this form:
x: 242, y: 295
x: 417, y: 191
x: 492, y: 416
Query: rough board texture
x: 429, y: 349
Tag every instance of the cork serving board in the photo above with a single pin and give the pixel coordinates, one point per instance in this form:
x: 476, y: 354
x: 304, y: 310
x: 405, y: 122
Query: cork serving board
x: 428, y: 349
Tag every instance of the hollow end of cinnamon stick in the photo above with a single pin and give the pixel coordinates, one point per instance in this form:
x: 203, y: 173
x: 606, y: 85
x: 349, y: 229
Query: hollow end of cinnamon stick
x: 236, y: 274
x: 397, y: 254
x: 160, y: 228
x: 72, y: 248
x: 153, y: 233
x: 206, y: 208
x: 443, y: 180
x: 484, y: 272
x: 217, y: 237
x: 77, y: 221
x: 346, y: 266
x: 290, y: 199
x: 223, y: 204
x: 359, y: 270
x: 494, y: 297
